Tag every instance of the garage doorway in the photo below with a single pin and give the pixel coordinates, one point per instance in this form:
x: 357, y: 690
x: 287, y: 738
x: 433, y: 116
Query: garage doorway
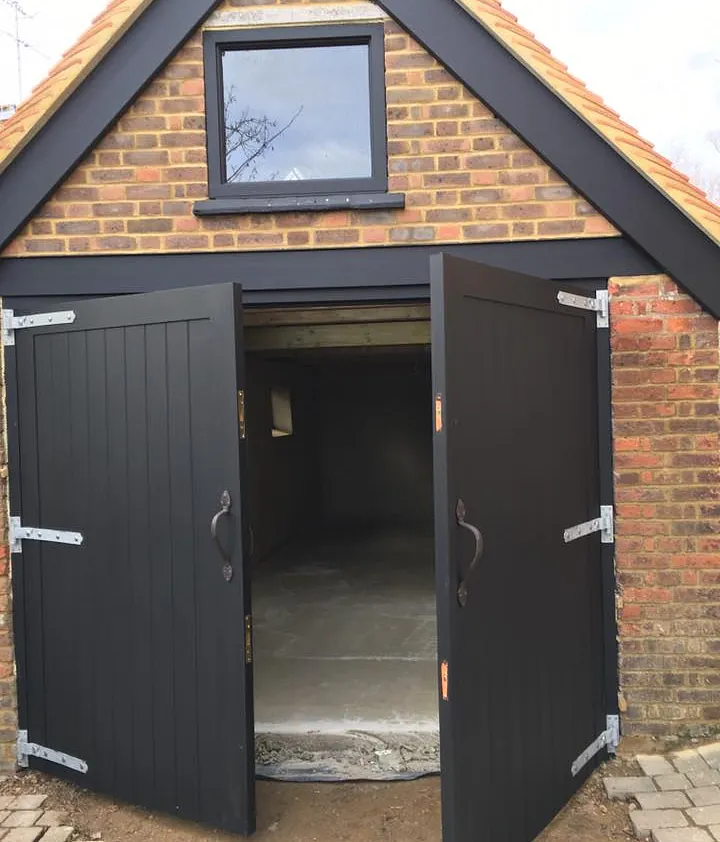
x: 130, y: 427
x: 341, y: 511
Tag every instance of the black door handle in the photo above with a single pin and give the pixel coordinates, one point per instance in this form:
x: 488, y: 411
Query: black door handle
x: 460, y: 515
x: 226, y: 505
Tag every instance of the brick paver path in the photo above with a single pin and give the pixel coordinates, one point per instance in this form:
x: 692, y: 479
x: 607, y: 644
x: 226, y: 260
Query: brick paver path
x: 678, y: 797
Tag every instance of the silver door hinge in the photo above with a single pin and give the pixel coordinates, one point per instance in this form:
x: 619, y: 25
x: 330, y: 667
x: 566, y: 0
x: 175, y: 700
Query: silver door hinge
x: 20, y: 533
x: 605, y: 524
x: 11, y: 322
x: 26, y: 750
x: 600, y: 304
x: 609, y: 739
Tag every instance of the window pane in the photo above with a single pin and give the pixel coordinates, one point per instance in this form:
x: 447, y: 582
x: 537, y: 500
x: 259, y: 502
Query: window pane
x: 299, y: 113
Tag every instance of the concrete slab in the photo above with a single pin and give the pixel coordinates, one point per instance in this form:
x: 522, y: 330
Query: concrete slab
x: 705, y: 815
x: 654, y: 764
x: 345, y: 658
x: 675, y: 800
x: 22, y: 818
x: 709, y: 777
x: 688, y: 760
x: 58, y: 834
x: 646, y: 821
x: 681, y: 834
x: 624, y: 789
x: 676, y: 781
x: 711, y: 754
x: 704, y: 796
x: 23, y: 834
x: 27, y: 802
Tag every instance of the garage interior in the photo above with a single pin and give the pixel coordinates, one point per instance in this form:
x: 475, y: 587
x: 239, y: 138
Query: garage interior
x: 339, y: 431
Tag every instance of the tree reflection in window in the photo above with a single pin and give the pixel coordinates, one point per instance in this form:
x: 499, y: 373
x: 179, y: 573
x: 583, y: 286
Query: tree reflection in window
x: 248, y: 137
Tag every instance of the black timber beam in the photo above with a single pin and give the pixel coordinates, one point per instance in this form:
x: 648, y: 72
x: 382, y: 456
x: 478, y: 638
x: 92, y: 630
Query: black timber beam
x: 336, y: 271
x: 566, y: 142
x: 87, y: 115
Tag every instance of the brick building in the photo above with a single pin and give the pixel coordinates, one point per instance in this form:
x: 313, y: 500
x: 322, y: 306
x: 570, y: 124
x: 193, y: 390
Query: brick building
x: 146, y: 164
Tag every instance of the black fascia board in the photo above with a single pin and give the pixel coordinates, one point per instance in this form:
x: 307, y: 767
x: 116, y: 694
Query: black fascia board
x: 94, y: 107
x: 574, y: 149
x: 297, y: 273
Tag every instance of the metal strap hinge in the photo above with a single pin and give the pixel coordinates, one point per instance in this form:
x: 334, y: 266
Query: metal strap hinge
x: 605, y: 524
x: 20, y: 533
x: 26, y: 750
x: 11, y: 322
x: 600, y: 304
x: 609, y: 739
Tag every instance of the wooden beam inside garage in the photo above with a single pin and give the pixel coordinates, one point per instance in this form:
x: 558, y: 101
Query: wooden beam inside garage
x: 339, y: 327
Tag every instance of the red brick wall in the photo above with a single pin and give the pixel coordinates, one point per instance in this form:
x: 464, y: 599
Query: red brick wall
x: 667, y: 475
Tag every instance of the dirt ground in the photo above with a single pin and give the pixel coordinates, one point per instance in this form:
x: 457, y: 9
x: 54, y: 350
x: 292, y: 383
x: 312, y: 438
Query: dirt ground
x: 372, y: 812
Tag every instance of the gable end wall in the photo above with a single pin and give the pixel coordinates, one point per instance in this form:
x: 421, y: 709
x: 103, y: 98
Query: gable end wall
x: 466, y: 177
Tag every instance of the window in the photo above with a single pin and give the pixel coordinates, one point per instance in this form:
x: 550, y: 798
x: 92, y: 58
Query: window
x: 281, y: 413
x: 296, y: 117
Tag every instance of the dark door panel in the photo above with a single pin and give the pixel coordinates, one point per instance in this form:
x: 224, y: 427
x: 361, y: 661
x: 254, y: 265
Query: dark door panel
x: 516, y: 440
x: 134, y: 643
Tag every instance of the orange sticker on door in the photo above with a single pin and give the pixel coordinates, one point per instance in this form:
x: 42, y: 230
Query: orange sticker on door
x: 438, y: 414
x: 444, y: 672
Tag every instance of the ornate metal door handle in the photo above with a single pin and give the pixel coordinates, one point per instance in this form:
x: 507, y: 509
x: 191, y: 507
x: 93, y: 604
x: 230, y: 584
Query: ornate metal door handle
x: 460, y: 515
x: 226, y: 505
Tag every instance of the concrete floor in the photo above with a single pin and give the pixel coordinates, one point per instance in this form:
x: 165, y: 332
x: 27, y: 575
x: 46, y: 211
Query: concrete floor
x: 345, y: 658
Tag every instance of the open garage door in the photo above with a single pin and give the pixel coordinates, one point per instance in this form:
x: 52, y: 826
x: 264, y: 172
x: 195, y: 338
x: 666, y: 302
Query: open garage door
x: 522, y: 712
x: 133, y: 621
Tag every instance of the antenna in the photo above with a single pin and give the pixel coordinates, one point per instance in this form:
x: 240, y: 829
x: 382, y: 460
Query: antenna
x: 20, y: 13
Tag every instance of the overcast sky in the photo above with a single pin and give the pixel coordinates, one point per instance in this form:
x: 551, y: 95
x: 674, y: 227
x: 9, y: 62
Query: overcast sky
x: 657, y: 62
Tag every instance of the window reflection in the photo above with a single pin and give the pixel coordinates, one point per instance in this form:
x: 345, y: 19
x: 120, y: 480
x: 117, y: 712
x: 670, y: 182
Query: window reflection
x: 297, y: 113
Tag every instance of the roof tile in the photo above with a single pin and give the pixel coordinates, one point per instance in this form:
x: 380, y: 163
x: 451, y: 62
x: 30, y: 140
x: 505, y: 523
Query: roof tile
x: 654, y: 167
x: 67, y: 75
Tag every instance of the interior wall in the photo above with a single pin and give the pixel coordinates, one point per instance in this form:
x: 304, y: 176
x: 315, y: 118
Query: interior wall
x: 283, y: 479
x: 375, y: 425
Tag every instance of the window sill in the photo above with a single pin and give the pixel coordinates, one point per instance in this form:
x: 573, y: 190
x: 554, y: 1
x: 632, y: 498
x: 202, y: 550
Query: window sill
x: 287, y: 204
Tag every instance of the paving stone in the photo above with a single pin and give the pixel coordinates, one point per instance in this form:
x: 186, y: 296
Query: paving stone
x: 708, y: 778
x: 680, y: 834
x: 704, y: 796
x: 688, y: 761
x: 626, y: 788
x: 646, y: 821
x: 22, y: 818
x: 675, y: 800
x: 6, y: 801
x: 54, y: 818
x: 23, y: 834
x: 58, y: 834
x: 28, y: 802
x: 705, y: 815
x: 654, y: 764
x: 675, y: 781
x: 715, y: 831
x: 711, y: 754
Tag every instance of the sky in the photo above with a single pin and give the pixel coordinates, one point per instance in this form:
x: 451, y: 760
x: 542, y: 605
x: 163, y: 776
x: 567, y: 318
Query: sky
x: 656, y: 62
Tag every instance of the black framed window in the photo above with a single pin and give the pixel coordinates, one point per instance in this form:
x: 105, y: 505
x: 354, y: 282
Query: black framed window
x: 296, y: 113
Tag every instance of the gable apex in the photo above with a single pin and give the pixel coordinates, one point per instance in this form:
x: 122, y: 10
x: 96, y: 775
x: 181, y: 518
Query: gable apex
x: 482, y: 44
